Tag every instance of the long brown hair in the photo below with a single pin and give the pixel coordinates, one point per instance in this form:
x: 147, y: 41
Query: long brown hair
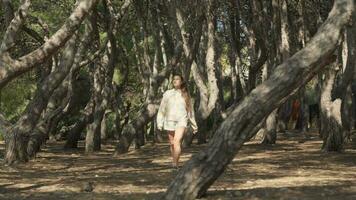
x: 185, y: 93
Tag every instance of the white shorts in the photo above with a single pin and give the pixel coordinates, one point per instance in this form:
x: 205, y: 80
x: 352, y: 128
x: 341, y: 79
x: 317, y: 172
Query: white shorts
x: 170, y: 125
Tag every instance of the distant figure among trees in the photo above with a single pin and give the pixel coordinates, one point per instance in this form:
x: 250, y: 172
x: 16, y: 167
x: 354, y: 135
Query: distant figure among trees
x: 174, y: 114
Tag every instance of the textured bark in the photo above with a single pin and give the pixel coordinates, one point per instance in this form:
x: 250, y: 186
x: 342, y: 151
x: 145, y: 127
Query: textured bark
x: 200, y: 172
x: 274, y: 58
x: 331, y: 129
x: 11, y: 68
x: 74, y: 134
x: 103, y: 76
x: 270, y: 135
x: 17, y: 139
x: 131, y: 130
x: 257, y: 41
x: 208, y: 92
x: 14, y: 26
x: 58, y: 106
x: 93, y: 136
x: 344, y: 90
x: 8, y: 11
x: 62, y: 95
x: 283, y: 49
x: 335, y: 117
x: 237, y: 89
x: 191, y: 40
x: 103, y: 129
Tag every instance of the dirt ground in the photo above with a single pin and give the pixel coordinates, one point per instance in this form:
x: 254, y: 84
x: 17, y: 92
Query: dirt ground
x: 291, y: 169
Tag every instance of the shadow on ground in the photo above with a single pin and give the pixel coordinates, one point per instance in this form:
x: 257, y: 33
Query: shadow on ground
x: 294, y: 168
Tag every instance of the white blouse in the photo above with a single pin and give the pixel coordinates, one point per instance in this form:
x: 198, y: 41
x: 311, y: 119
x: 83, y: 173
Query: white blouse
x: 173, y: 108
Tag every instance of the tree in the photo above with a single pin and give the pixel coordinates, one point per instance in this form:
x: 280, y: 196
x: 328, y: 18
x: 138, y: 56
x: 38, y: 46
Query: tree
x: 18, y: 136
x: 11, y: 68
x: 335, y: 120
x: 206, y: 166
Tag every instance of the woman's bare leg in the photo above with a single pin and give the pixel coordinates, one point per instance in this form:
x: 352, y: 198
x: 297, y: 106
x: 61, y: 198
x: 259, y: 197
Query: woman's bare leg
x: 176, y: 144
x: 171, y: 139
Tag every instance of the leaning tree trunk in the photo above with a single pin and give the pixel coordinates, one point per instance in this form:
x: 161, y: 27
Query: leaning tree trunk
x: 17, y: 139
x: 45, y: 128
x: 199, y: 173
x: 11, y: 68
x: 64, y: 100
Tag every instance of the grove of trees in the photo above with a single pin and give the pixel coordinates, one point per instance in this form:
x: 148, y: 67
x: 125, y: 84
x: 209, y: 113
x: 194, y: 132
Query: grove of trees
x: 96, y: 70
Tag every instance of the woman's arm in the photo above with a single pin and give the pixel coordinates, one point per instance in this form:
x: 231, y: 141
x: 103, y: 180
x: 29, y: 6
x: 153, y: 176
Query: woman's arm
x: 161, y: 111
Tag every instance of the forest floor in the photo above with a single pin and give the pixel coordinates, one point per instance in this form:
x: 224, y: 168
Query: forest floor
x: 294, y: 168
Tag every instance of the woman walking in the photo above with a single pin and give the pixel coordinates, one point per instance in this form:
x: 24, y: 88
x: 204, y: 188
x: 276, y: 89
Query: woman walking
x: 174, y: 114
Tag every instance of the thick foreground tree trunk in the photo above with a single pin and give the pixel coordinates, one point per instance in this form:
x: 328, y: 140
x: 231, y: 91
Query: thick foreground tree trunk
x: 200, y: 172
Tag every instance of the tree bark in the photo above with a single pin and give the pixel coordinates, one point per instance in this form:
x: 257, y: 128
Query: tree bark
x: 331, y: 130
x: 200, y: 172
x: 335, y: 120
x: 209, y: 92
x: 10, y: 68
x: 17, y: 140
x: 74, y: 134
x: 270, y: 136
x: 274, y: 58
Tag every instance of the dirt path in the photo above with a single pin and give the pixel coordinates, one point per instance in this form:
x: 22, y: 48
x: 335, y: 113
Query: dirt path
x: 291, y: 169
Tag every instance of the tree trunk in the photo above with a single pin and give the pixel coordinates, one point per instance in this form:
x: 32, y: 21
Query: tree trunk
x: 199, y: 173
x: 31, y: 115
x: 335, y: 120
x: 353, y: 125
x: 102, y: 87
x: 207, y: 104
x: 270, y: 136
x: 27, y: 62
x: 131, y: 130
x: 274, y: 58
x: 74, y: 134
x: 332, y: 130
x: 93, y: 134
x: 103, y: 128
x: 46, y: 128
x: 93, y: 138
x: 209, y: 92
x: 346, y: 113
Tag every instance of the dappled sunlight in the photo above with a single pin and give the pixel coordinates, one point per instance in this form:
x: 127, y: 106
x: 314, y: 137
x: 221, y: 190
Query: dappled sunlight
x: 287, y: 168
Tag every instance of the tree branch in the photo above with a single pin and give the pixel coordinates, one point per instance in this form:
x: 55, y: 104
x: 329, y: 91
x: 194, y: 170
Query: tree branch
x: 10, y: 69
